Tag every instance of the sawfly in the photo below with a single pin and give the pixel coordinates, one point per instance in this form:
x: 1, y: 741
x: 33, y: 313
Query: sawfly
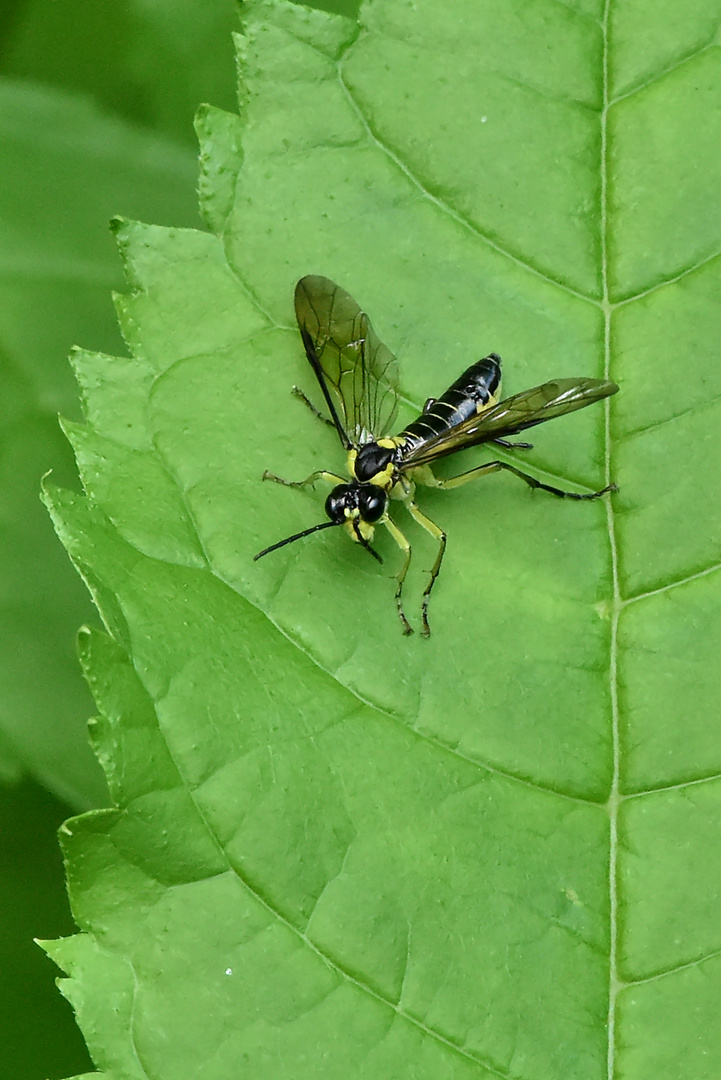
x: 358, y: 379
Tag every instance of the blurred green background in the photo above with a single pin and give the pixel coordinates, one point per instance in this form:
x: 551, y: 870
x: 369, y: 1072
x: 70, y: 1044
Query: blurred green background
x: 96, y: 119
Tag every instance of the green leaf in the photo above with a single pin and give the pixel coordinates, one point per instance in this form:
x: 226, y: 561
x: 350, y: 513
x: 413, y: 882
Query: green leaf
x: 342, y: 852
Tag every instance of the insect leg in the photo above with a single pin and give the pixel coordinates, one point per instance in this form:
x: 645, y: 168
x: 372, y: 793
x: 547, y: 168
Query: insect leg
x: 513, y: 445
x: 298, y: 393
x: 406, y: 549
x: 320, y: 475
x: 496, y: 466
x: 440, y: 536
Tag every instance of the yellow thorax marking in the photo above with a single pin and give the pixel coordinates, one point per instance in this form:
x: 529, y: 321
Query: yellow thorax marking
x: 352, y: 455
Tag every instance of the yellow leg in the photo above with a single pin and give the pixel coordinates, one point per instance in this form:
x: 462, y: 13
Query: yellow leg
x: 440, y: 536
x: 497, y: 466
x: 406, y: 549
x: 321, y: 475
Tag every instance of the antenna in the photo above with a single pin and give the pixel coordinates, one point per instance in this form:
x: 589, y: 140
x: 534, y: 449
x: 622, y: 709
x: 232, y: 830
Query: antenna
x: 298, y: 536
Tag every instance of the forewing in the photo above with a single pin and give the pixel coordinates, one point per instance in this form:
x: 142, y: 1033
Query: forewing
x: 356, y: 372
x: 513, y: 415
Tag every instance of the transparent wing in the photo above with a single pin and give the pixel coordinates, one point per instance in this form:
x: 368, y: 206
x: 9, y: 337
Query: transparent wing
x: 515, y: 414
x: 356, y: 372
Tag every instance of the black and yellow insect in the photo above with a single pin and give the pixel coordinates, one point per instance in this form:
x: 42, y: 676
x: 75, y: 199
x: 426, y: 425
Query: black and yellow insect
x: 357, y: 376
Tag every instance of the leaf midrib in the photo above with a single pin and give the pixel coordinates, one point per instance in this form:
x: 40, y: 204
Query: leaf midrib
x: 614, y: 798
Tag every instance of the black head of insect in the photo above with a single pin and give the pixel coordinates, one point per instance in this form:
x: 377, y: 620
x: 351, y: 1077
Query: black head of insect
x: 348, y: 502
x: 353, y: 505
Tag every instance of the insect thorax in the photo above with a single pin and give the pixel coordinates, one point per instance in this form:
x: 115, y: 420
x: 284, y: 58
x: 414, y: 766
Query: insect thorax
x: 375, y: 463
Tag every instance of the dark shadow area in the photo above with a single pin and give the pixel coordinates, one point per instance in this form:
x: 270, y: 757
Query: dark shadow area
x: 40, y: 1038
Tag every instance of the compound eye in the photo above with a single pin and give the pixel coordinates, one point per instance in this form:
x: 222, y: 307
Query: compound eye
x: 337, y: 502
x: 372, y: 503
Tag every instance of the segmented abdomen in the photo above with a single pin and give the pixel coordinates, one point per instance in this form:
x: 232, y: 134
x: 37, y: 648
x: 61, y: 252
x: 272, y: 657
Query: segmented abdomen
x: 466, y: 396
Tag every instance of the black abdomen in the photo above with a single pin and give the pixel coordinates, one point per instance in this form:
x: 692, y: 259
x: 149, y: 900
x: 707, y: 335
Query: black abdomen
x: 473, y: 388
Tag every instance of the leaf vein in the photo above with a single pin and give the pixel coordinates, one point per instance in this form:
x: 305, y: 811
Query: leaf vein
x: 643, y: 293
x: 614, y: 798
x: 698, y: 406
x: 443, y: 205
x: 664, y: 973
x: 672, y: 584
x: 660, y: 75
x: 680, y: 786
